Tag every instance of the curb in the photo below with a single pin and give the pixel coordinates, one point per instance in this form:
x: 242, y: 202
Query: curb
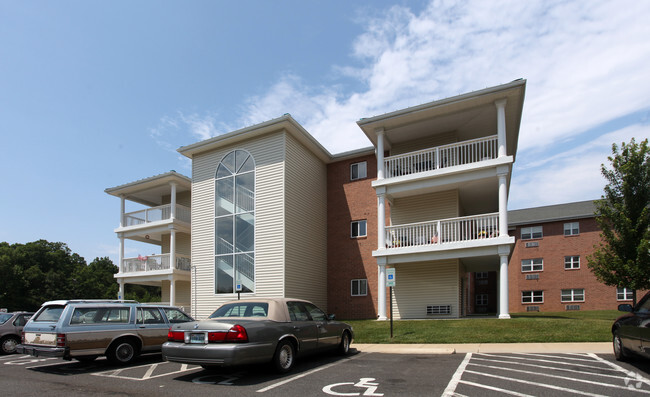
x: 586, y: 347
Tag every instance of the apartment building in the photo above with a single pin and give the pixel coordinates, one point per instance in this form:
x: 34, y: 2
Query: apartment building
x: 273, y: 213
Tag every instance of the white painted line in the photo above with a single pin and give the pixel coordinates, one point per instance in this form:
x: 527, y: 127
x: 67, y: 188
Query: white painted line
x: 582, y: 356
x: 453, y: 383
x: 284, y: 382
x: 637, y: 377
x: 563, y: 389
x: 500, y: 390
x: 514, y: 360
x: 554, y: 368
x: 147, y: 375
x: 110, y: 374
x: 521, y: 371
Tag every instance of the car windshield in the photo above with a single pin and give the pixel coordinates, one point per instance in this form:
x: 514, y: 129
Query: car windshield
x: 176, y: 316
x: 50, y: 313
x: 4, y: 317
x: 244, y: 309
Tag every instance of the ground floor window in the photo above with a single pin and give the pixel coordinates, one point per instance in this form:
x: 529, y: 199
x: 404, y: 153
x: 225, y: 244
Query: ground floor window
x: 532, y: 296
x: 624, y: 294
x: 359, y: 287
x: 573, y: 295
x: 481, y: 300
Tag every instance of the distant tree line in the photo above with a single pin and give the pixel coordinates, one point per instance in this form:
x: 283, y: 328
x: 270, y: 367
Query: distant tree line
x: 33, y: 273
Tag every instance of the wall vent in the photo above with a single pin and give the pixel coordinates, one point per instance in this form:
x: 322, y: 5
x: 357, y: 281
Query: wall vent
x: 573, y: 307
x: 532, y: 244
x: 532, y: 277
x: 438, y: 309
x: 532, y: 308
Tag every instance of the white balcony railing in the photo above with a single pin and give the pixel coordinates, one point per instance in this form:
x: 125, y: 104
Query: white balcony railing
x: 443, y: 231
x: 154, y: 263
x: 465, y: 152
x: 155, y: 214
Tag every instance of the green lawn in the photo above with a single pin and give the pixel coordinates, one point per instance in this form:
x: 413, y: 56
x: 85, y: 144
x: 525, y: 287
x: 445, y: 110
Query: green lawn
x: 586, y: 326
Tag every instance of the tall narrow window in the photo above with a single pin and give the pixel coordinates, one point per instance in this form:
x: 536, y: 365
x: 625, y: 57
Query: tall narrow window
x: 234, y: 224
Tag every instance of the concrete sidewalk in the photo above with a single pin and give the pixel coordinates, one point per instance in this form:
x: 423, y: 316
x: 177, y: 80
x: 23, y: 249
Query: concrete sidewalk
x: 396, y: 348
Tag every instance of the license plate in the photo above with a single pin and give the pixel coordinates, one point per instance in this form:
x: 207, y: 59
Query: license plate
x: 197, y: 338
x: 39, y: 338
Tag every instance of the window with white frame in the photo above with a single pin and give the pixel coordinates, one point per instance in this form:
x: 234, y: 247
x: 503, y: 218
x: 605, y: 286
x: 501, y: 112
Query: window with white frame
x: 528, y: 233
x: 532, y: 296
x: 358, y: 229
x: 234, y: 223
x: 571, y: 229
x: 358, y: 170
x: 624, y: 294
x: 482, y: 300
x: 359, y: 287
x: 573, y: 295
x: 572, y: 262
x: 532, y: 265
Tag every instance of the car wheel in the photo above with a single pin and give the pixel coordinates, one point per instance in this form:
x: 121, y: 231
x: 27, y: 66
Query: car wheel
x: 122, y: 352
x: 344, y: 346
x: 8, y: 344
x: 284, y: 357
x: 620, y: 352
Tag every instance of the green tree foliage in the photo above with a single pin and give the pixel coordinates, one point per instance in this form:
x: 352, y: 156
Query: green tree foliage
x: 623, y: 258
x: 39, y: 271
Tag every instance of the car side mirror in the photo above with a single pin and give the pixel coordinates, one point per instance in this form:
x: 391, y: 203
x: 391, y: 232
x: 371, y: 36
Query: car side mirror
x: 331, y: 317
x: 625, y: 307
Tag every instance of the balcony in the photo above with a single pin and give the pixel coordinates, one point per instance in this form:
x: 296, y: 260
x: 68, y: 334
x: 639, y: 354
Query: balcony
x: 155, y: 263
x: 155, y: 214
x: 445, y: 231
x: 445, y: 156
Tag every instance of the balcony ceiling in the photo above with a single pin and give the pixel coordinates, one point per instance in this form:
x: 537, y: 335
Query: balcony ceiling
x: 150, y: 191
x: 469, y: 116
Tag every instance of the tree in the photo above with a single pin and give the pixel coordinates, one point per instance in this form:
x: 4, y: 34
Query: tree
x: 623, y: 214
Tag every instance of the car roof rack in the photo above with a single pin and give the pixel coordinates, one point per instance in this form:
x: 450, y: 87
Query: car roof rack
x: 66, y: 301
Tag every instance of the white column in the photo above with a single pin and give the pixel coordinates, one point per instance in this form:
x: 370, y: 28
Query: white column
x: 120, y: 258
x: 172, y: 250
x: 122, y: 210
x: 381, y: 293
x: 380, y: 153
x: 502, y: 173
x: 173, y: 201
x: 501, y: 126
x: 381, y: 220
x: 172, y: 291
x: 504, y: 311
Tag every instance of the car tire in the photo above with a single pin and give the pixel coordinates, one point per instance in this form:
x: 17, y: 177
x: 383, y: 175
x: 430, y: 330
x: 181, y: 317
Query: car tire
x: 122, y: 351
x: 284, y: 357
x: 620, y: 352
x: 344, y: 346
x: 8, y: 344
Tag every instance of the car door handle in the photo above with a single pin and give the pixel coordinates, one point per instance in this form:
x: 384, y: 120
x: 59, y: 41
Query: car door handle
x: 296, y: 328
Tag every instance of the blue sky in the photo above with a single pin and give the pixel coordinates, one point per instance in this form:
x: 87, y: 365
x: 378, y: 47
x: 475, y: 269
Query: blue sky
x: 97, y: 94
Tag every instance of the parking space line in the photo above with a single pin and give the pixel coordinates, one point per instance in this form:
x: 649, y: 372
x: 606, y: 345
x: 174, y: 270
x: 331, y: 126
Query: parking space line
x: 498, y: 389
x: 284, y: 382
x: 455, y: 379
x: 521, y: 371
x: 148, y: 375
x: 544, y: 361
x: 552, y: 368
x: 510, y: 379
x: 637, y: 377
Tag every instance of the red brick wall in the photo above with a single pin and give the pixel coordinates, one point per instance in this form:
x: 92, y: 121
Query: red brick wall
x: 553, y: 247
x: 351, y: 258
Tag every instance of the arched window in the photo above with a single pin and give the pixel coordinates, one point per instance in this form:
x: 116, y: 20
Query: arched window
x: 234, y: 224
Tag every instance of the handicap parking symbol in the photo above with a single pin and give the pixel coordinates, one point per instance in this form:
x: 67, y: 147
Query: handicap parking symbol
x: 363, y: 383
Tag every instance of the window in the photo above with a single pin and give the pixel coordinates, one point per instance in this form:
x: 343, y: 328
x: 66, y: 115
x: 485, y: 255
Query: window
x: 175, y: 315
x: 624, y: 294
x: 358, y: 171
x: 234, y: 223
x: 532, y: 265
x: 572, y: 262
x: 573, y: 295
x: 528, y: 233
x: 482, y: 300
x: 242, y: 309
x: 358, y: 229
x: 98, y: 315
x: 571, y: 229
x: 481, y: 275
x: 359, y: 287
x: 532, y: 296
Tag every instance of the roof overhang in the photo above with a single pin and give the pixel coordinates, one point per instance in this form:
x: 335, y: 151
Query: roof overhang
x: 149, y: 191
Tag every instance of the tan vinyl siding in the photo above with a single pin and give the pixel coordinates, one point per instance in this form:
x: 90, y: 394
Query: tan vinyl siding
x: 182, y: 198
x: 306, y: 225
x: 426, y: 207
x: 420, y: 284
x: 183, y: 241
x: 424, y: 143
x: 268, y: 153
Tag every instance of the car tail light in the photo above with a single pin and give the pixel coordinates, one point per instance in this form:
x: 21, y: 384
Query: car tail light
x: 216, y: 336
x: 237, y: 334
x: 60, y: 340
x: 175, y: 336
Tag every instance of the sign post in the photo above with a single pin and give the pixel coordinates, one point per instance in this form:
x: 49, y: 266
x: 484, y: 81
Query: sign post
x: 390, y: 282
x: 238, y: 289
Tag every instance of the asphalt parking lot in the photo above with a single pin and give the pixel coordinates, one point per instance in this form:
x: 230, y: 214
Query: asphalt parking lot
x: 359, y: 374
